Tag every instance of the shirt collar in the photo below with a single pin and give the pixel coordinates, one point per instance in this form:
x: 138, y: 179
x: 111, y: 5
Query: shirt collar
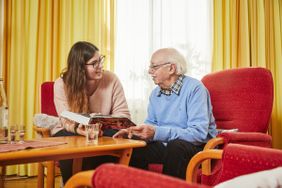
x: 174, y: 88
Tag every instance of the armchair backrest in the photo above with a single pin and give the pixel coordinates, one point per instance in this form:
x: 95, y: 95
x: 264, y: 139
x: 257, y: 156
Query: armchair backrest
x: 47, y: 99
x: 242, y: 98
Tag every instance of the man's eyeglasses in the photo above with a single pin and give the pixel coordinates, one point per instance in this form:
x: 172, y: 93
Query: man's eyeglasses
x: 156, y: 67
x: 97, y: 62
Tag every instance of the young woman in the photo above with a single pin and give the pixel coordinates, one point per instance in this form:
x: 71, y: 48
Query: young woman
x: 84, y: 87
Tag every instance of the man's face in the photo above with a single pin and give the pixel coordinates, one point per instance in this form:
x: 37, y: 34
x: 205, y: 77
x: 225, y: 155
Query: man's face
x: 159, y: 69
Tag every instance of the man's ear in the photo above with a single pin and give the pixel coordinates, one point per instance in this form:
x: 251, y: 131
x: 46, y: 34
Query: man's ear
x: 172, y: 69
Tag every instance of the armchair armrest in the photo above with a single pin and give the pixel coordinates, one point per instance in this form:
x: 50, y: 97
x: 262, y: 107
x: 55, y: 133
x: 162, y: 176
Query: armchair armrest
x: 197, y: 160
x: 245, y: 138
x: 80, y: 179
x: 44, y: 132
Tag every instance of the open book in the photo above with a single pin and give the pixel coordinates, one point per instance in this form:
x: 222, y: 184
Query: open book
x: 108, y: 122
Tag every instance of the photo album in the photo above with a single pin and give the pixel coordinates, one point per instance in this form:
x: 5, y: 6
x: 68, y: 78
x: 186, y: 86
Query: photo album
x: 110, y: 124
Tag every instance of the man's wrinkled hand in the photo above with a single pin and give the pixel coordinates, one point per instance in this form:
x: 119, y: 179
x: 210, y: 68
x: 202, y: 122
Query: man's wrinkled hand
x: 123, y: 133
x: 143, y: 132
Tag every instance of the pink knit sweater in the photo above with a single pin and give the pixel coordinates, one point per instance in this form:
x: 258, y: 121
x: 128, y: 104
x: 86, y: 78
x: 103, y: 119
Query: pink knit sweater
x: 108, y: 99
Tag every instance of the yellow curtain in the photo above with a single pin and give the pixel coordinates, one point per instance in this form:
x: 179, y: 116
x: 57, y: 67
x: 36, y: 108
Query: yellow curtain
x: 37, y: 38
x: 248, y: 33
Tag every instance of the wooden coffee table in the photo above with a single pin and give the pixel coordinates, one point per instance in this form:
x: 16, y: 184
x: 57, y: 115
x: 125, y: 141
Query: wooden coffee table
x: 75, y: 148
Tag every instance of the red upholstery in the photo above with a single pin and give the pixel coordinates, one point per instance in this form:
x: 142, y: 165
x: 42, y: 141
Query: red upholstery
x: 240, y: 160
x: 47, y: 99
x: 120, y: 176
x: 241, y: 98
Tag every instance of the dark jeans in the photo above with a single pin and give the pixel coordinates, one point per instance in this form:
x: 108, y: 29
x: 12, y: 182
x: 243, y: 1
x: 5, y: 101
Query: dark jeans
x: 175, y: 156
x: 88, y: 163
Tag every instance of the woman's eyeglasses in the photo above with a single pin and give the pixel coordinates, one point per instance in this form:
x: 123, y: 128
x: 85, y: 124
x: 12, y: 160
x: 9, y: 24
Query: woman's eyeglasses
x: 97, y: 62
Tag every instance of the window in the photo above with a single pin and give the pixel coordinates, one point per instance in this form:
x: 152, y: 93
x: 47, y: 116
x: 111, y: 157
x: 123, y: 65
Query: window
x: 144, y: 26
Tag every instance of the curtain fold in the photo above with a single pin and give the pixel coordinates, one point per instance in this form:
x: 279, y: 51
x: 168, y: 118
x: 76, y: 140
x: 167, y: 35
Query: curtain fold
x: 1, y: 35
x: 247, y: 33
x: 37, y: 38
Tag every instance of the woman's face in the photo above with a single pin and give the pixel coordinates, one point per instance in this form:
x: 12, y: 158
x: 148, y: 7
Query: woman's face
x: 94, y: 67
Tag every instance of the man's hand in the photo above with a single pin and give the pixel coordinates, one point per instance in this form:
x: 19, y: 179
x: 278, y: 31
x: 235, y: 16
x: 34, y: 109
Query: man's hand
x: 123, y: 133
x: 144, y: 132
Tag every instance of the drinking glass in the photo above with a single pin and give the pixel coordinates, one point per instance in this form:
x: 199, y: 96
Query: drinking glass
x: 3, y: 135
x: 13, y: 133
x: 21, y: 133
x: 92, y: 133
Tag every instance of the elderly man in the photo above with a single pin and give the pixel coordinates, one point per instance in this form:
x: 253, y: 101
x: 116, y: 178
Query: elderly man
x: 179, y: 121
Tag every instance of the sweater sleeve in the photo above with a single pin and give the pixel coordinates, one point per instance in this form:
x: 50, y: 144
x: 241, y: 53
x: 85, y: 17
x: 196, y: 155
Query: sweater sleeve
x: 119, y: 105
x: 151, y: 115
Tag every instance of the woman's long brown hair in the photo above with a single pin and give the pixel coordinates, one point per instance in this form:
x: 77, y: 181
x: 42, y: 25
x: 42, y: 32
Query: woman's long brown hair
x: 74, y: 76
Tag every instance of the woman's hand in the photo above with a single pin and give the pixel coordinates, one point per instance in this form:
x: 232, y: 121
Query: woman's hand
x: 81, y: 130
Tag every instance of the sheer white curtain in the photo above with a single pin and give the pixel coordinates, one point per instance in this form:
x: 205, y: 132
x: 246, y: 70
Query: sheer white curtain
x: 144, y: 26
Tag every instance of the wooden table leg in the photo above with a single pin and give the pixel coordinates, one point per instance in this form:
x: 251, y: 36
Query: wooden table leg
x: 2, y: 176
x: 50, y: 174
x: 76, y: 165
x: 125, y: 157
x: 40, y: 176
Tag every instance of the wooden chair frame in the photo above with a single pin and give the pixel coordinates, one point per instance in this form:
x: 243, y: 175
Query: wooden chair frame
x: 197, y: 160
x: 50, y: 165
x: 81, y: 179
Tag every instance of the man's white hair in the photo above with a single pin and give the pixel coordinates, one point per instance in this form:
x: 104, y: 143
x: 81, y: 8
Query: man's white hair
x: 175, y: 57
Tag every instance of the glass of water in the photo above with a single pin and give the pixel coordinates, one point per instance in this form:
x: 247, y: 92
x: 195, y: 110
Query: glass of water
x: 92, y: 133
x: 21, y: 132
x: 3, y: 135
x: 13, y: 133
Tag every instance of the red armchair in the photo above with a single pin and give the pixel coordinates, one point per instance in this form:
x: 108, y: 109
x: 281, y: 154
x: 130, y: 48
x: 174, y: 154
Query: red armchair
x: 236, y: 160
x: 47, y: 107
x: 120, y: 176
x: 242, y: 98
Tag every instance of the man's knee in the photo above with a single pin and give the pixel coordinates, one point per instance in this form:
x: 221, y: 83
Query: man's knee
x: 182, y: 148
x: 177, y: 145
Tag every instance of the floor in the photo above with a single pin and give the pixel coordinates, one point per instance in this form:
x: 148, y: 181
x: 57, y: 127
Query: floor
x: 23, y: 182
